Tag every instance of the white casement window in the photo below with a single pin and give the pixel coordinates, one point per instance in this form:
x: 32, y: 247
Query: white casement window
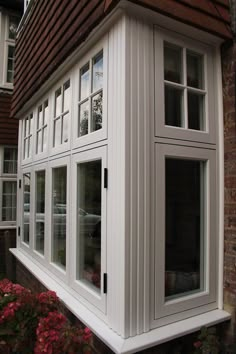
x: 185, y: 180
x: 27, y: 221
x: 8, y: 185
x: 89, y: 224
x: 42, y: 127
x: 39, y: 210
x: 12, y: 24
x: 62, y: 114
x: 91, y: 86
x: 27, y: 136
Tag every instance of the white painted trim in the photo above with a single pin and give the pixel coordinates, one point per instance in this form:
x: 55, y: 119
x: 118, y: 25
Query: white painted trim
x: 102, y: 330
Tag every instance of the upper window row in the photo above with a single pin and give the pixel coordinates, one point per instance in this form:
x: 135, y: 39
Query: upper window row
x: 52, y: 118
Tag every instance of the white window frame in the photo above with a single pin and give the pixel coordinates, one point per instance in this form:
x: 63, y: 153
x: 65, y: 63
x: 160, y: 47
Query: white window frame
x: 6, y: 173
x: 56, y: 269
x: 162, y: 130
x: 5, y: 223
x: 100, y: 134
x: 24, y: 245
x: 51, y: 101
x: 98, y: 300
x: 8, y: 42
x: 185, y: 305
x: 28, y: 136
x: 43, y: 153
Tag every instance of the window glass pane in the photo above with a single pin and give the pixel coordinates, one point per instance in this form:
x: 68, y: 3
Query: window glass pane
x: 184, y: 256
x: 194, y: 70
x: 39, y: 142
x: 83, y: 118
x: 97, y: 112
x: 172, y: 63
x: 44, y: 137
x: 89, y: 223
x: 84, y: 82
x: 173, y: 107
x: 10, y: 64
x: 29, y: 146
x: 58, y: 103
x: 98, y: 71
x: 40, y: 117
x: 67, y: 96
x: 40, y: 211
x: 13, y: 24
x: 65, y: 131
x: 26, y: 132
x: 46, y: 113
x: 57, y: 132
x: 26, y: 216
x: 195, y: 111
x: 10, y: 160
x: 9, y: 201
x: 25, y: 148
x: 59, y: 216
x: 31, y: 124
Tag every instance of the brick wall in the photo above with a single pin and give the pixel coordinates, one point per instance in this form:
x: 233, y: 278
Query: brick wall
x: 229, y: 91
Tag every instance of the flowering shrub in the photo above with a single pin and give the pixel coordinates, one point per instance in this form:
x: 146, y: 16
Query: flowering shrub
x: 207, y: 342
x: 32, y: 324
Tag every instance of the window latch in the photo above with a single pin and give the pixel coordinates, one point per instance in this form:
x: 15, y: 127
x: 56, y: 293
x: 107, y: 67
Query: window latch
x: 19, y: 183
x: 105, y: 283
x: 105, y: 178
x: 18, y: 230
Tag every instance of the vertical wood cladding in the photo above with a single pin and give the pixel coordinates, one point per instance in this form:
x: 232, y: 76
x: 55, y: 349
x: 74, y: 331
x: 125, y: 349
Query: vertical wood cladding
x: 8, y: 126
x: 55, y: 29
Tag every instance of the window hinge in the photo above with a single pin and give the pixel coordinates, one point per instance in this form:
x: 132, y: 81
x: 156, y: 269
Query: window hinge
x: 105, y: 283
x: 18, y: 230
x: 105, y: 178
x: 20, y: 183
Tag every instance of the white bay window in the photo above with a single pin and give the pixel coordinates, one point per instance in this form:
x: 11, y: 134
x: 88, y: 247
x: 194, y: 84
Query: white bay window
x: 126, y: 215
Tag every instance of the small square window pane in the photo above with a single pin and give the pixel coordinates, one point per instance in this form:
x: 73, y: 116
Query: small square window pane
x: 31, y: 124
x: 84, y: 82
x: 44, y: 137
x: 26, y: 216
x: 25, y: 148
x: 67, y: 96
x: 98, y: 71
x: 83, y: 118
x: 57, y: 132
x: 195, y: 70
x: 89, y: 198
x: 29, y: 146
x: 184, y: 244
x: 10, y: 76
x: 58, y: 103
x: 196, y: 119
x: 172, y: 63
x: 173, y: 107
x: 97, y: 112
x: 40, y: 211
x: 59, y: 213
x: 65, y: 130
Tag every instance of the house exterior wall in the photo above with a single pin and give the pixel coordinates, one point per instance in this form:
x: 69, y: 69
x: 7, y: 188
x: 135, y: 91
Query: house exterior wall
x: 8, y: 126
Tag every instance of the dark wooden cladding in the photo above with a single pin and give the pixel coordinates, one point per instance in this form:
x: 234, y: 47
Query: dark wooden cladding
x: 8, y: 126
x: 55, y: 29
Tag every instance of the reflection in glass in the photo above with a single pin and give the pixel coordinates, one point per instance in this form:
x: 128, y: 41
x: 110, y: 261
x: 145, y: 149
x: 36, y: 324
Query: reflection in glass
x: 83, y: 118
x: 195, y: 111
x: 67, y: 96
x: 25, y: 148
x: 172, y: 63
x: 58, y: 103
x: 89, y: 222
x: 10, y: 63
x: 39, y: 141
x: 184, y: 258
x: 40, y: 211
x: 84, y: 82
x: 46, y: 113
x: 57, y: 132
x: 173, y: 106
x: 194, y: 70
x: 97, y: 72
x: 96, y: 112
x: 40, y: 117
x: 59, y: 182
x: 13, y: 24
x: 8, y: 201
x: 26, y: 214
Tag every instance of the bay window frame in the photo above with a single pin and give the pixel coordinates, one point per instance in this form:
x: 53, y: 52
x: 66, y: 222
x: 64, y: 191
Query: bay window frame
x: 98, y: 300
x: 44, y: 153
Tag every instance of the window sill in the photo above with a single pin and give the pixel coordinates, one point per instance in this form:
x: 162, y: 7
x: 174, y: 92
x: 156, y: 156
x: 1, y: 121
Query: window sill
x: 100, y: 328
